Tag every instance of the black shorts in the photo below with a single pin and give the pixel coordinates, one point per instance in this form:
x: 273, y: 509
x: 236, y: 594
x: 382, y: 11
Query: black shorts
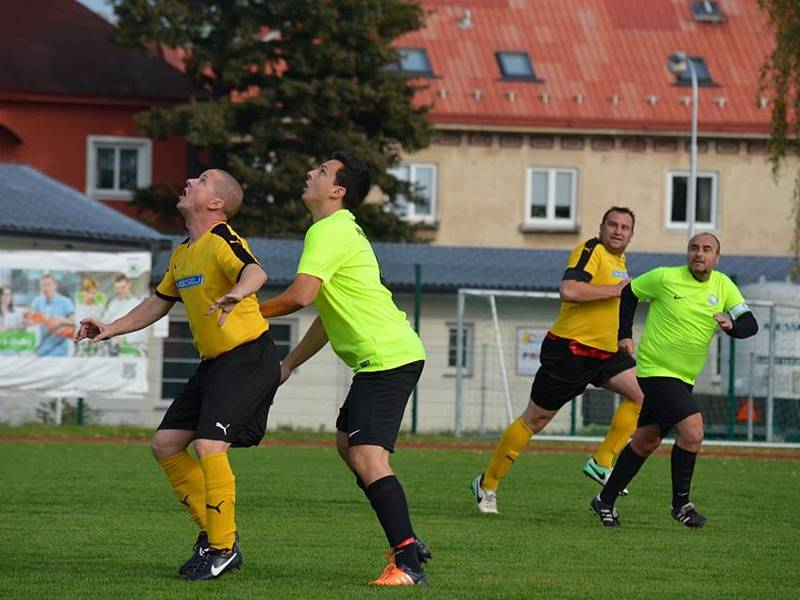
x: 374, y: 407
x: 667, y: 401
x: 566, y: 370
x: 228, y: 397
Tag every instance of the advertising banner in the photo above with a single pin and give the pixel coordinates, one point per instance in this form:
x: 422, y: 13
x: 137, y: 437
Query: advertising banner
x: 44, y: 295
x: 529, y: 342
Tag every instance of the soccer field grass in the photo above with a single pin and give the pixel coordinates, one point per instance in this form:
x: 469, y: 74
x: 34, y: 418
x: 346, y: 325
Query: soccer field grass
x: 86, y: 520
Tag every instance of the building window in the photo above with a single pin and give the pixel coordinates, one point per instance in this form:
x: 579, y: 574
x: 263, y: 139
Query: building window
x: 116, y: 166
x: 422, y: 177
x: 284, y: 334
x: 550, y: 198
x: 706, y: 10
x: 705, y: 216
x: 180, y: 359
x: 701, y: 71
x: 515, y: 66
x: 412, y: 61
x: 465, y: 356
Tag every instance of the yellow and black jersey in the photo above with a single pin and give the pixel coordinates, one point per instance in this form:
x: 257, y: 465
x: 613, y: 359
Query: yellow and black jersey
x: 592, y: 323
x: 202, y: 271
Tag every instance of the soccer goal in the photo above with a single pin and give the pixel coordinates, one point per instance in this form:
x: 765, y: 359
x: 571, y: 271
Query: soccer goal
x: 749, y: 390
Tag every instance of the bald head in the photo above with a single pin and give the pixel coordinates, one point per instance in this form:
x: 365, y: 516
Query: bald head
x: 705, y: 238
x: 228, y: 190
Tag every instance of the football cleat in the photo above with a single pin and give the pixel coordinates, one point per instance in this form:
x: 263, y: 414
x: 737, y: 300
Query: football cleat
x: 423, y: 551
x: 199, y: 550
x: 394, y: 576
x: 485, y: 499
x: 687, y: 515
x: 607, y: 513
x: 599, y: 473
x: 216, y: 563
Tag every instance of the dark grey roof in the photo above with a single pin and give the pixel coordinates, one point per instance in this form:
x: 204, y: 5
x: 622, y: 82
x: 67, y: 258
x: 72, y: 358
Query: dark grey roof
x: 32, y: 204
x: 448, y: 268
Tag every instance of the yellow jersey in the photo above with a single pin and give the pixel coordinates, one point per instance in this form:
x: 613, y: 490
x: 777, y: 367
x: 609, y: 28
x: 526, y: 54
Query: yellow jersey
x: 593, y: 323
x: 202, y: 271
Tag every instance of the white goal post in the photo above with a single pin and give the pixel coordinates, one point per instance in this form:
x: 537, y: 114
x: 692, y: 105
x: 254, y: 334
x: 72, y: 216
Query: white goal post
x: 490, y: 296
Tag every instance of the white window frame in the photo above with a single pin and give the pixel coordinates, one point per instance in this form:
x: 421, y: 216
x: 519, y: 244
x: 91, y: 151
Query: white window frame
x: 411, y: 208
x: 469, y: 331
x: 550, y: 221
x: 698, y: 225
x: 144, y: 164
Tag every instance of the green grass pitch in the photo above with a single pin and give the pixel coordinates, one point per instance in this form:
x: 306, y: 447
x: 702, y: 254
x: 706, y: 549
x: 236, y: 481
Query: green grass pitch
x: 99, y: 521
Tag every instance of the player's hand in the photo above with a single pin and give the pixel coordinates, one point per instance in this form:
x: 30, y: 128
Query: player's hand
x: 225, y: 304
x: 285, y: 373
x: 621, y: 286
x: 627, y: 345
x: 93, y: 330
x: 723, y: 321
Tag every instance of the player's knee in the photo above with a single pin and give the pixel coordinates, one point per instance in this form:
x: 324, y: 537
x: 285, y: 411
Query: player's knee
x: 367, y: 463
x: 692, y: 439
x: 534, y: 418
x: 162, y: 448
x: 645, y: 445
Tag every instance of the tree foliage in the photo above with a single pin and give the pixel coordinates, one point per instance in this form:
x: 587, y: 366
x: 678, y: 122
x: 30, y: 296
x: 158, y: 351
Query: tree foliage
x: 780, y: 78
x: 282, y: 85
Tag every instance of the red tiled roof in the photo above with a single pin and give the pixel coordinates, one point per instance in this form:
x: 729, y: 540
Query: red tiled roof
x: 596, y: 49
x: 62, y: 47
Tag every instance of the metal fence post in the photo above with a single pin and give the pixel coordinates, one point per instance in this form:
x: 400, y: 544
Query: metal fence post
x: 459, y: 367
x: 731, y: 388
x: 417, y: 311
x: 771, y: 375
x: 482, y: 427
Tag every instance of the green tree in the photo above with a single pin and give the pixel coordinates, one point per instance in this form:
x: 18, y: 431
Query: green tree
x: 282, y: 84
x: 780, y: 78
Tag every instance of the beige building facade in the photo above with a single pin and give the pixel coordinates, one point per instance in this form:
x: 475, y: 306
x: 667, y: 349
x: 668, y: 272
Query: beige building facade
x: 549, y: 190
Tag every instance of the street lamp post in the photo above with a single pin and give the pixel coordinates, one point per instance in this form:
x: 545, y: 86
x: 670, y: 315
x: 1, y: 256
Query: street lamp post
x: 678, y: 63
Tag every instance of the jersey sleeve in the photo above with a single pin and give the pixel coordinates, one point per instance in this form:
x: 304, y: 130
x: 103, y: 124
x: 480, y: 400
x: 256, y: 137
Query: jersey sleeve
x: 734, y: 302
x: 324, y: 251
x: 583, y: 262
x: 648, y: 285
x: 232, y: 252
x: 167, y: 290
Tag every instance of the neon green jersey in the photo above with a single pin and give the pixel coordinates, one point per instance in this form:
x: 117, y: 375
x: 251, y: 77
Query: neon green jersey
x: 680, y: 323
x: 365, y: 328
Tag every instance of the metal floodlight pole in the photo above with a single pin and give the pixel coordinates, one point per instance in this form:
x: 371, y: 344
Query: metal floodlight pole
x: 691, y: 201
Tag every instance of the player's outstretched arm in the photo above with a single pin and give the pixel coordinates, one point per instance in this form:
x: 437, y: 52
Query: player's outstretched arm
x: 581, y: 291
x: 250, y: 281
x: 298, y: 295
x: 146, y: 313
x: 313, y: 341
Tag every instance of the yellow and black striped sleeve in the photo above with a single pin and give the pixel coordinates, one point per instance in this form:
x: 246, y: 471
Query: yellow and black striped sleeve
x: 233, y: 253
x: 583, y: 262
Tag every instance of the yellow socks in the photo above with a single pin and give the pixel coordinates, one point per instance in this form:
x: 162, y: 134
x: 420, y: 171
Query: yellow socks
x: 220, y: 500
x: 508, y: 448
x: 623, y: 424
x: 186, y: 477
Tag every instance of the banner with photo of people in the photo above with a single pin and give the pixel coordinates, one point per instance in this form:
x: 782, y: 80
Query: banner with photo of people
x: 43, y: 297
